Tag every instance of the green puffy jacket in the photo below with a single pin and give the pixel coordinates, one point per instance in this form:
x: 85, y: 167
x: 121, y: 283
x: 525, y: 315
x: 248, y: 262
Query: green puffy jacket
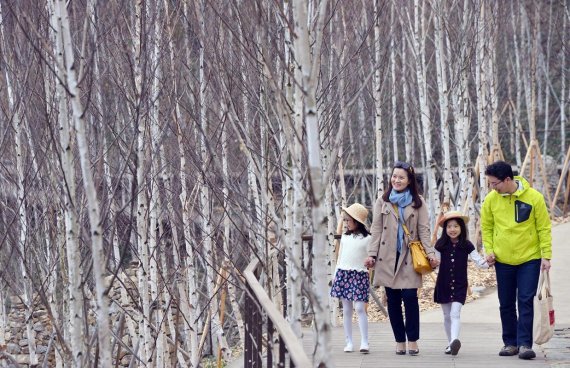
x: 516, y: 227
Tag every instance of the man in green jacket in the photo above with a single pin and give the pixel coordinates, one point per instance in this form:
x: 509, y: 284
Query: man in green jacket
x: 517, y: 238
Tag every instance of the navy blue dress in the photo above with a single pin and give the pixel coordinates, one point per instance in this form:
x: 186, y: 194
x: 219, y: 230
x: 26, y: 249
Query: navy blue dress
x: 451, y: 284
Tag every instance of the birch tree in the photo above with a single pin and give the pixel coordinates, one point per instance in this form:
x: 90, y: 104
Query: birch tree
x: 378, y: 101
x: 443, y: 93
x: 96, y: 231
x: 71, y: 222
x: 19, y: 140
x: 309, y: 72
x: 419, y: 39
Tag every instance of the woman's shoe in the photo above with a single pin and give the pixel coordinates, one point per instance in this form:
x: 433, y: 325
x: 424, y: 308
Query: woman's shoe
x: 413, y: 348
x: 448, y: 350
x: 348, y: 348
x: 400, y: 348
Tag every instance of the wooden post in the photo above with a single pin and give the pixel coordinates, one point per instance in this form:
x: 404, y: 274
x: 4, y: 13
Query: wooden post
x: 532, y: 153
x: 559, y: 186
x: 223, y: 276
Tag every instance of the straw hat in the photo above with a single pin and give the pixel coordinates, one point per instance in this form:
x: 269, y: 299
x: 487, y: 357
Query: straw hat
x: 357, y: 212
x: 453, y: 215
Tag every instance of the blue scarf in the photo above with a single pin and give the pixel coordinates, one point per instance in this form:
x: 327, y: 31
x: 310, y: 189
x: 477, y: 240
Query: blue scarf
x: 402, y: 200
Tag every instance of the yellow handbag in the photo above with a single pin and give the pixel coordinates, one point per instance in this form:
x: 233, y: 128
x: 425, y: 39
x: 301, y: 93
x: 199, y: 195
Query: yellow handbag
x: 419, y: 256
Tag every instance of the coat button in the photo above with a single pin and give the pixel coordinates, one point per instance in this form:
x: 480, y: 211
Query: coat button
x: 383, y: 243
x: 385, y: 227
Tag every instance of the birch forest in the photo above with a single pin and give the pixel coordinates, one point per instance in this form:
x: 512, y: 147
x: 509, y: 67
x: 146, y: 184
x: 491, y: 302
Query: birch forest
x: 151, y: 149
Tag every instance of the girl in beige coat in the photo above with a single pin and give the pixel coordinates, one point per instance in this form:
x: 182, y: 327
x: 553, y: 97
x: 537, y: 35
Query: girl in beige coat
x: 389, y: 254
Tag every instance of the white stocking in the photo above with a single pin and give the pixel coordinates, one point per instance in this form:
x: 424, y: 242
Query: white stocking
x: 362, y: 322
x: 455, y: 315
x: 347, y: 319
x: 452, y: 319
x: 446, y: 308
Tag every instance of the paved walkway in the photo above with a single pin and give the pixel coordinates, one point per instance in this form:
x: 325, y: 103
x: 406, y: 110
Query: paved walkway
x: 480, y: 333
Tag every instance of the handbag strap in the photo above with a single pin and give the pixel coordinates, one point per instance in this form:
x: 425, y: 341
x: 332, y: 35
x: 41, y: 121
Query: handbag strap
x: 543, y: 289
x: 401, y: 222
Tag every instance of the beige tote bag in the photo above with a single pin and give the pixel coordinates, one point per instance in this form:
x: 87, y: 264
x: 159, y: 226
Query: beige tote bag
x: 543, y: 327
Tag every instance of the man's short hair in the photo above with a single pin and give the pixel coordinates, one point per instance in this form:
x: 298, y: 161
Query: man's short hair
x: 500, y: 170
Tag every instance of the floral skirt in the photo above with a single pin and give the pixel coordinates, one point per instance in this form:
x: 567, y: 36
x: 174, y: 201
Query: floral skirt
x: 351, y: 285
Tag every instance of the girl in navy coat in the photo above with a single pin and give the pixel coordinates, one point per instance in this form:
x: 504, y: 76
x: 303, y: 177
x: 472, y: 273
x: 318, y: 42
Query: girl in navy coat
x: 451, y: 285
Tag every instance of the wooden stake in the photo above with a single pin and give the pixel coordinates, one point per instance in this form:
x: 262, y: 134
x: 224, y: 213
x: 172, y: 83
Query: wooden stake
x: 223, y: 276
x: 560, y: 181
x: 532, y: 154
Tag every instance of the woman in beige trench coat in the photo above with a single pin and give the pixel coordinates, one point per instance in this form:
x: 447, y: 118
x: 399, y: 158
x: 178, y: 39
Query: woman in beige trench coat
x: 390, y: 256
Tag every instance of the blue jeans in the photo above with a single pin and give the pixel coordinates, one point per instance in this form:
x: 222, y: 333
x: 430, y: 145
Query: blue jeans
x: 517, y: 285
x: 411, y: 326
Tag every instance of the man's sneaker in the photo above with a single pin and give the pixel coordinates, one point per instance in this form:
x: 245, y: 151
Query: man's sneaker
x: 455, y: 346
x: 348, y: 348
x: 509, y: 350
x: 526, y: 353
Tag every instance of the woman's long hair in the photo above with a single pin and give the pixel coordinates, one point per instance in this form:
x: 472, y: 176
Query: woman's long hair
x: 412, y: 184
x: 444, y: 240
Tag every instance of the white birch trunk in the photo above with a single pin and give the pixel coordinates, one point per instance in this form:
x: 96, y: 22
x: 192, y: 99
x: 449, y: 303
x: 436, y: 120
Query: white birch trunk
x: 492, y: 83
x: 309, y: 71
x: 189, y: 297
x: 462, y: 108
x: 145, y: 336
x: 228, y: 264
x: 519, y: 88
x: 180, y: 285
x: 155, y: 203
x: 96, y: 231
x: 378, y: 102
x: 443, y: 94
x: 18, y: 129
x: 52, y: 258
x: 563, y: 94
x: 216, y: 328
x: 405, y: 99
x: 74, y: 321
x: 3, y: 314
x: 187, y: 288
x: 75, y: 273
x: 481, y: 87
x: 288, y: 162
x: 294, y: 280
x: 393, y: 80
x: 421, y: 72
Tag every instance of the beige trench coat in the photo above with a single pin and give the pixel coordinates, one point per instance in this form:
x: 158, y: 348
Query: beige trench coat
x: 384, y: 230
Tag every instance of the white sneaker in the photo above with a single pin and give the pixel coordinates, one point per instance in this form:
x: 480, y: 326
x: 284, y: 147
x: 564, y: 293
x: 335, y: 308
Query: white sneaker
x: 364, y: 349
x: 348, y: 348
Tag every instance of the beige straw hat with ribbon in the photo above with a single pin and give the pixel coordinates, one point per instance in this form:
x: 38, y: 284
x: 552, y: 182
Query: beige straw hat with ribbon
x: 453, y: 215
x: 357, y: 212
